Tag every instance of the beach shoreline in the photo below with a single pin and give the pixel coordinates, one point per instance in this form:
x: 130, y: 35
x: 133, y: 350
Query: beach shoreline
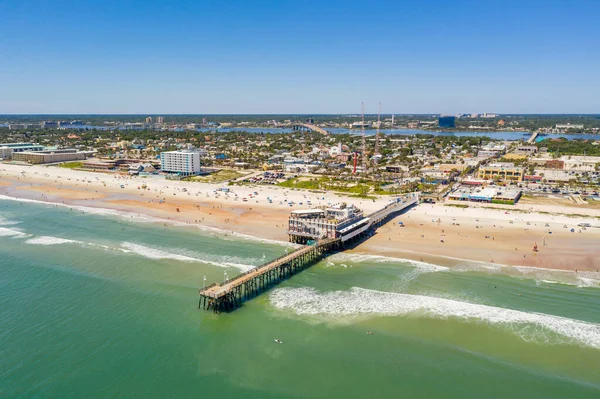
x: 432, y: 233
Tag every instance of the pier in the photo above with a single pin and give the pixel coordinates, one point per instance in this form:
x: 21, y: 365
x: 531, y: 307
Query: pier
x: 230, y: 294
x: 321, y: 235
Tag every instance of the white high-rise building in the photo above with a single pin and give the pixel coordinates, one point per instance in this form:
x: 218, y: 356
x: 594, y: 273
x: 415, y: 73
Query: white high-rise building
x: 184, y: 162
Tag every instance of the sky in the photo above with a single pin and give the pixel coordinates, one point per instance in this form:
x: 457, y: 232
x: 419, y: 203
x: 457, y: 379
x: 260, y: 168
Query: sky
x: 302, y: 56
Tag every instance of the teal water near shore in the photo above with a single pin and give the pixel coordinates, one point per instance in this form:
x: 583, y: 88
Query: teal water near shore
x: 100, y: 305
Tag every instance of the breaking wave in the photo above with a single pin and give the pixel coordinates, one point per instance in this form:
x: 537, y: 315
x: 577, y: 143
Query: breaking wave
x: 142, y: 218
x: 47, y: 240
x: 156, y: 253
x: 6, y: 232
x: 360, y: 301
x: 5, y: 222
x: 368, y: 258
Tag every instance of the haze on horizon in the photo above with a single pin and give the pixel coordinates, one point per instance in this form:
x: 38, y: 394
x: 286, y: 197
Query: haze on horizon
x: 263, y: 57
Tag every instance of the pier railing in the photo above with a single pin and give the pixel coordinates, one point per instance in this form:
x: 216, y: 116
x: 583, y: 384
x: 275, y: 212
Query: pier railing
x: 254, y: 269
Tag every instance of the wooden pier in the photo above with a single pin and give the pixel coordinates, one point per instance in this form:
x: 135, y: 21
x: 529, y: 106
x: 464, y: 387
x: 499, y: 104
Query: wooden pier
x: 229, y: 295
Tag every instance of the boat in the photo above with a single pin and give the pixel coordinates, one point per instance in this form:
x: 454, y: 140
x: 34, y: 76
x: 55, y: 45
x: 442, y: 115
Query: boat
x: 278, y: 341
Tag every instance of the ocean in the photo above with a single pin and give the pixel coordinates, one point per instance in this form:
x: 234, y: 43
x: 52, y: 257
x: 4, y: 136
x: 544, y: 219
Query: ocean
x: 99, y: 304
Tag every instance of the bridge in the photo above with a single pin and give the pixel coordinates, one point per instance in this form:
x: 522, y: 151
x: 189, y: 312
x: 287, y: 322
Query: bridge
x: 230, y: 294
x: 534, y: 136
x: 309, y: 127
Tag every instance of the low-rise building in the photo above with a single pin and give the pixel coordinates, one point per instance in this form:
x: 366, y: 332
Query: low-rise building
x: 489, y: 194
x: 485, y: 154
x: 526, y: 150
x: 50, y: 156
x: 96, y: 164
x: 580, y: 162
x: 504, y: 171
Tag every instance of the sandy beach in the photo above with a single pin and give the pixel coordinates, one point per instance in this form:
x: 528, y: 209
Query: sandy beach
x: 442, y: 234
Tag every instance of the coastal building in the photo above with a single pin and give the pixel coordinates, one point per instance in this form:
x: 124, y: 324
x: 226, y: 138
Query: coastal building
x: 8, y: 149
x: 181, y: 162
x: 5, y: 153
x: 96, y: 164
x: 50, y: 156
x: 503, y: 171
x: 447, y: 121
x: 312, y: 224
x: 489, y: 194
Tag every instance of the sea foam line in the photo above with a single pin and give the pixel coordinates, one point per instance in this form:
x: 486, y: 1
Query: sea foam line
x: 6, y: 232
x: 156, y: 253
x: 140, y: 250
x: 48, y: 240
x: 360, y: 301
x: 143, y: 218
x: 364, y: 258
x: 584, y: 279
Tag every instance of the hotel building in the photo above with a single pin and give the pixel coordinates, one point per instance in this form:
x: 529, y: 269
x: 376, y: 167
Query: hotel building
x: 49, y: 156
x: 182, y: 162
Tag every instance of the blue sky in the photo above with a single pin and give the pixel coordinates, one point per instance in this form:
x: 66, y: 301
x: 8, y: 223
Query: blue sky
x: 301, y: 56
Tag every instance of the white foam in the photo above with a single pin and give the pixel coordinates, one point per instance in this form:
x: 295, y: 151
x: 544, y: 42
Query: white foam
x: 368, y: 258
x: 47, y: 240
x: 360, y: 301
x: 588, y: 282
x: 156, y: 253
x: 4, y: 222
x: 137, y: 218
x: 6, y: 232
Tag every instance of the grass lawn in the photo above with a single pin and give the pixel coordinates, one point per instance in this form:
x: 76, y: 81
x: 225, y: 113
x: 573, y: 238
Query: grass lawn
x: 217, y: 177
x: 360, y: 189
x: 71, y: 165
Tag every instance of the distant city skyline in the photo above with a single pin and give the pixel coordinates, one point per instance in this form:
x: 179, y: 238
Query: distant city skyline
x: 310, y: 58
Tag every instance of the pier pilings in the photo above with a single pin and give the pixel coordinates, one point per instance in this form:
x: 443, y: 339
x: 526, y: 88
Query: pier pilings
x: 231, y: 294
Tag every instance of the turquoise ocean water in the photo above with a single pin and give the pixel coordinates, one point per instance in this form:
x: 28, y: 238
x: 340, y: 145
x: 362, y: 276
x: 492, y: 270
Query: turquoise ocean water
x: 97, y: 305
